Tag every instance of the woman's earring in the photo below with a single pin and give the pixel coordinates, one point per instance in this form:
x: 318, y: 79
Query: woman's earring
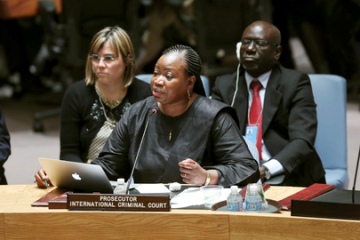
x: 189, y: 95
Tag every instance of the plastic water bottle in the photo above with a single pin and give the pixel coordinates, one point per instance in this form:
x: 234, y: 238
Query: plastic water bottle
x: 120, y: 187
x: 234, y: 200
x: 253, y: 198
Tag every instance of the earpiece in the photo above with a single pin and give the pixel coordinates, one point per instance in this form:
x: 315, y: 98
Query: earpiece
x: 238, y: 46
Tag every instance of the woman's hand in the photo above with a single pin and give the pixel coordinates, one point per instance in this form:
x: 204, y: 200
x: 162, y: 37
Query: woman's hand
x: 191, y: 172
x: 42, y: 179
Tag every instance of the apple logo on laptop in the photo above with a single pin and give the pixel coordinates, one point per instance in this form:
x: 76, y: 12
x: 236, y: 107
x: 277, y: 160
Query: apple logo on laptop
x: 76, y: 176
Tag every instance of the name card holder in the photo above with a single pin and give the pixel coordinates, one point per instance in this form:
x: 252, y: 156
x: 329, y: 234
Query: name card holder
x: 118, y: 202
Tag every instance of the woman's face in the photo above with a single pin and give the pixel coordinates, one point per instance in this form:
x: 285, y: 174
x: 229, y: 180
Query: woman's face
x: 108, y: 67
x: 169, y: 83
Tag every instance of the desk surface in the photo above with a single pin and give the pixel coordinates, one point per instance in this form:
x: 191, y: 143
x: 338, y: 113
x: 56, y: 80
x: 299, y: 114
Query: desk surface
x: 19, y: 219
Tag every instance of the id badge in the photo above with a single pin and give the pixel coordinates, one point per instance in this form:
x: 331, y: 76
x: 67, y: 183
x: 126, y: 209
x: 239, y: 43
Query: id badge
x: 251, y: 133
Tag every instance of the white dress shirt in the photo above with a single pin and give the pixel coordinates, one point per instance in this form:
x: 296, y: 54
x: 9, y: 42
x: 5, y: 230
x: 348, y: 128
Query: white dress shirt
x: 273, y: 165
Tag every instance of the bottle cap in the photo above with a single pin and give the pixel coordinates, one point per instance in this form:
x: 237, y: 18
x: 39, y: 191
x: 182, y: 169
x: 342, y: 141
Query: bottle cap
x: 175, y: 186
x: 234, y: 188
x: 120, y: 181
x: 253, y: 187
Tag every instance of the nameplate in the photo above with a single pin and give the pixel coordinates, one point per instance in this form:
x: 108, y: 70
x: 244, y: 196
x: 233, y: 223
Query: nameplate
x: 118, y: 202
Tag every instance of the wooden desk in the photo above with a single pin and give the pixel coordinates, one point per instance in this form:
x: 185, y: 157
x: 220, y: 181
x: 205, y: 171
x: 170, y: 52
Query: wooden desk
x: 19, y: 220
x: 22, y: 8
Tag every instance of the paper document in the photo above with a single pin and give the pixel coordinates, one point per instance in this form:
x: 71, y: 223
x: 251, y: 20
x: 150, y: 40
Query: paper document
x: 152, y: 188
x: 193, y: 196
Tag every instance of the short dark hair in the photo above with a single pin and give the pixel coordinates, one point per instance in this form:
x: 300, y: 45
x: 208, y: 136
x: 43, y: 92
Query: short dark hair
x: 193, y: 64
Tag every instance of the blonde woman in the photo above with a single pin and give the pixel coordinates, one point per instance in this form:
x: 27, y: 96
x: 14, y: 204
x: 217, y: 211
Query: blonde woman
x: 91, y: 108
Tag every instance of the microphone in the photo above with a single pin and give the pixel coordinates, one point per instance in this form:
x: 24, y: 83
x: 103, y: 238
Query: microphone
x: 354, y: 183
x: 154, y: 112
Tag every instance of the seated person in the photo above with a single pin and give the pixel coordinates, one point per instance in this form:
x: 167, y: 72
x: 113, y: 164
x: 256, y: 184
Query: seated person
x: 179, y: 135
x: 5, y: 148
x: 91, y: 108
x: 285, y: 126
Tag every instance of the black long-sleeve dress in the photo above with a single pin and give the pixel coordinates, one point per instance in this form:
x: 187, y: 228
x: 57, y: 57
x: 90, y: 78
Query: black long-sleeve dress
x: 206, y: 133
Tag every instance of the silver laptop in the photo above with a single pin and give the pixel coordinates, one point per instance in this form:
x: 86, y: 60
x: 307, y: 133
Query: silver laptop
x: 79, y: 177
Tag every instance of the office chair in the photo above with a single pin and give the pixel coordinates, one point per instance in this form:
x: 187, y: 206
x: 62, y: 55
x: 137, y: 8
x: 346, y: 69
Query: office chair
x: 52, y: 50
x: 80, y: 20
x: 331, y: 138
x: 146, y: 77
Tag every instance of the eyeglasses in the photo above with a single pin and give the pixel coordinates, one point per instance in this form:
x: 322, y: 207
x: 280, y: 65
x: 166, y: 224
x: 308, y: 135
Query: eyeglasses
x: 258, y: 42
x: 107, y: 59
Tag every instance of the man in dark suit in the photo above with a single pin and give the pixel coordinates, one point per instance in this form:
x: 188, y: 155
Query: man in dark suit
x: 287, y: 120
x: 5, y: 149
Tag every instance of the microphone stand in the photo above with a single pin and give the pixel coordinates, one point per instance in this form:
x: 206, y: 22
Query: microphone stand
x: 154, y: 111
x: 354, y: 183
